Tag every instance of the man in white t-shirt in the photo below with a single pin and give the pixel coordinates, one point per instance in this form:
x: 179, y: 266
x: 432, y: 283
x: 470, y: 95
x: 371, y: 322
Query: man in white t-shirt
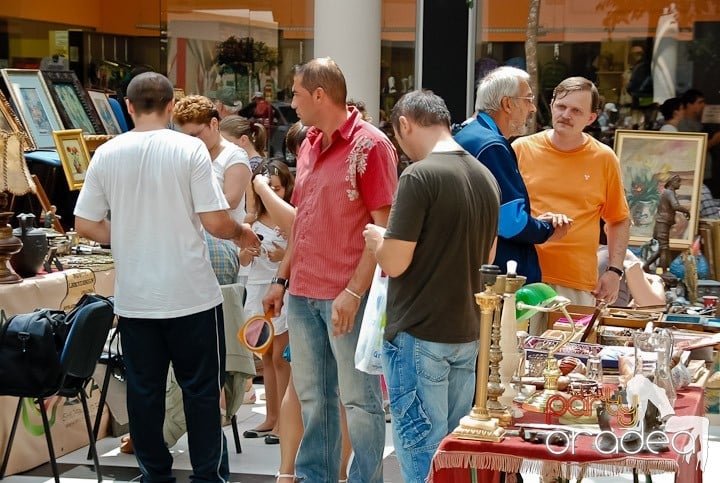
x: 161, y: 190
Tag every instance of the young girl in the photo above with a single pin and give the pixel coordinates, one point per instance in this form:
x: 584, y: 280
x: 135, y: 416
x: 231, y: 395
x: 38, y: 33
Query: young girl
x: 252, y: 138
x: 263, y: 264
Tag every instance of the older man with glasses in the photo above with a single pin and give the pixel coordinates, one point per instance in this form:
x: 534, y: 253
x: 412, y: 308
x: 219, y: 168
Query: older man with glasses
x: 504, y: 104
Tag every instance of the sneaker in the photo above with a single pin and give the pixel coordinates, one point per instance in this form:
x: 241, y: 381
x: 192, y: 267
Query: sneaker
x: 250, y: 396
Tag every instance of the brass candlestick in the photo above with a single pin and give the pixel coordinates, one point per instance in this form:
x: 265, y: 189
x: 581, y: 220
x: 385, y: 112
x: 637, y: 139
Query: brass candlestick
x: 478, y: 425
x: 495, y: 388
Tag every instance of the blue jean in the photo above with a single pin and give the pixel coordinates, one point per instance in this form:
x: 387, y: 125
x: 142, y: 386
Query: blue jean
x: 431, y: 386
x: 323, y: 370
x: 195, y: 344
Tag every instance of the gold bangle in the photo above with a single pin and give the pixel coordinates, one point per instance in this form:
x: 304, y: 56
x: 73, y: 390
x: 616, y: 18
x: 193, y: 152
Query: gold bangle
x: 359, y: 297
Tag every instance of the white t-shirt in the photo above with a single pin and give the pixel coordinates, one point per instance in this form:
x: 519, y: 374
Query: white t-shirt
x: 155, y: 183
x: 230, y: 156
x: 262, y: 270
x: 669, y: 128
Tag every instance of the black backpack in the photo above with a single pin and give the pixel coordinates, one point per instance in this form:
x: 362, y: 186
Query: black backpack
x: 30, y: 348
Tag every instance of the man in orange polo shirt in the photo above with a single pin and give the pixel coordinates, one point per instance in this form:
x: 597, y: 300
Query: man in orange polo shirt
x: 568, y: 171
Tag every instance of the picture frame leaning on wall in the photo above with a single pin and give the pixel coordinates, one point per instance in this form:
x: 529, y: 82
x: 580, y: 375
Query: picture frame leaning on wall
x: 74, y: 156
x: 72, y: 101
x: 9, y: 122
x: 105, y: 112
x: 647, y: 160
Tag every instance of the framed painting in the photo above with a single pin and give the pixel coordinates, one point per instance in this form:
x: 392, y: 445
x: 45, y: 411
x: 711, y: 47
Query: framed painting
x: 74, y: 156
x: 10, y: 123
x: 104, y: 110
x: 73, y: 104
x: 33, y: 104
x: 648, y: 159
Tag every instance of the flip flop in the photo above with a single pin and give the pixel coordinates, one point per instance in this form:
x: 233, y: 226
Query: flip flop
x: 272, y: 439
x: 256, y: 433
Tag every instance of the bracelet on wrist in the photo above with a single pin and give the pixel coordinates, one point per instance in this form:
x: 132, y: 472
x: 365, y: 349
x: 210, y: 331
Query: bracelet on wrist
x: 357, y: 296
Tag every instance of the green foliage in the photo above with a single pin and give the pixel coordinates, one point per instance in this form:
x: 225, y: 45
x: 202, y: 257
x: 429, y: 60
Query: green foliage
x: 643, y: 187
x: 241, y: 54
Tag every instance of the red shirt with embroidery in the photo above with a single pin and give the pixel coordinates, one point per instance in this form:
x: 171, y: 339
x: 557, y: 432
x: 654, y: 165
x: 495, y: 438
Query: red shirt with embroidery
x: 335, y: 191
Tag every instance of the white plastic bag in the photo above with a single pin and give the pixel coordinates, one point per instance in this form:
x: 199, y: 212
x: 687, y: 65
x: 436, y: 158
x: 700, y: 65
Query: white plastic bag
x: 368, y: 353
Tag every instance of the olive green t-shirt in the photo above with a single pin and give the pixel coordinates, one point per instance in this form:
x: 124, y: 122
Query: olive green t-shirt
x: 448, y: 203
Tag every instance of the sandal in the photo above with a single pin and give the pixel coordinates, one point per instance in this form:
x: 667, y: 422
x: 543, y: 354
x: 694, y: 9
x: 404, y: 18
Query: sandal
x: 256, y: 433
x: 126, y: 445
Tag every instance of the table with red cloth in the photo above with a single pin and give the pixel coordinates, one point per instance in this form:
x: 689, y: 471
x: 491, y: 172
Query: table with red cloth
x: 459, y: 460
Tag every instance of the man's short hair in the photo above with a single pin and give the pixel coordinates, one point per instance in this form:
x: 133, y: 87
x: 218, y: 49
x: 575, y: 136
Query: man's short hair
x: 668, y: 108
x: 690, y: 96
x: 498, y: 83
x: 150, y: 93
x: 423, y: 107
x: 324, y: 72
x: 197, y: 109
x: 573, y: 84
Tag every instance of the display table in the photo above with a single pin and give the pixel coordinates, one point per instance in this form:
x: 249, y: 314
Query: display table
x: 58, y: 290
x: 54, y: 290
x: 458, y: 460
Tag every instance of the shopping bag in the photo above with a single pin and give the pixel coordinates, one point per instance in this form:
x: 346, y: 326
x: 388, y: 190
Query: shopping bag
x: 368, y: 353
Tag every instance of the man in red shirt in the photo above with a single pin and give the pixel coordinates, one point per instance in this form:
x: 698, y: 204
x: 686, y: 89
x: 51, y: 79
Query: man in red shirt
x: 346, y: 178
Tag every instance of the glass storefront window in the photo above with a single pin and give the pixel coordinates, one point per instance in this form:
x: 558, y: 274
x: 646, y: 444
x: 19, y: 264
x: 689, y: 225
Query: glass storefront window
x: 638, y: 53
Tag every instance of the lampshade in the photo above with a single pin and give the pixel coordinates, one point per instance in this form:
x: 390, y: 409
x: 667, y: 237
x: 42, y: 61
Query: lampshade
x: 14, y: 178
x: 14, y: 174
x: 531, y: 297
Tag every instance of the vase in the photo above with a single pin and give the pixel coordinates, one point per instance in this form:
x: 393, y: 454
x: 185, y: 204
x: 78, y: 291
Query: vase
x: 28, y: 261
x: 643, y: 213
x: 508, y: 341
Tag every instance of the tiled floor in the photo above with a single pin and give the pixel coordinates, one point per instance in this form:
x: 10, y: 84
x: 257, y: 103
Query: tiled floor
x: 259, y: 462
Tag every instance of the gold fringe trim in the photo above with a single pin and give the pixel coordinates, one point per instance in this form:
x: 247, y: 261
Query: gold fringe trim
x: 549, y: 469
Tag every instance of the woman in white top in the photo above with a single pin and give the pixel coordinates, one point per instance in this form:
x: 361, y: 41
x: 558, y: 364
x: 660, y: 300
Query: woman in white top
x: 197, y: 116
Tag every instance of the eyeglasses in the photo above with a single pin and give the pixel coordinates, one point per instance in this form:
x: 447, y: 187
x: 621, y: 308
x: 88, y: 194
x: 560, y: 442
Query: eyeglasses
x: 527, y: 98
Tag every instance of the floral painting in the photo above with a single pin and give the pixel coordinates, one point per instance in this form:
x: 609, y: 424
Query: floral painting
x: 648, y: 159
x: 74, y: 156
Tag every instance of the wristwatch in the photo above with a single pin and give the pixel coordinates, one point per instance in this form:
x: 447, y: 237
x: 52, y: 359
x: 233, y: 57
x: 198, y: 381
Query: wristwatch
x: 615, y: 270
x: 282, y: 281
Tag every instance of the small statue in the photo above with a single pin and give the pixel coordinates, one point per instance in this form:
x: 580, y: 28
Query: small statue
x: 50, y: 216
x: 664, y: 220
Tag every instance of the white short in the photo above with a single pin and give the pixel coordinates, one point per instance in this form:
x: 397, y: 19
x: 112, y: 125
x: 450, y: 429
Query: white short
x: 253, y: 306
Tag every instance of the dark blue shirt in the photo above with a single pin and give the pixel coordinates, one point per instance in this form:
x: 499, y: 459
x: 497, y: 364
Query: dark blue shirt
x: 518, y: 231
